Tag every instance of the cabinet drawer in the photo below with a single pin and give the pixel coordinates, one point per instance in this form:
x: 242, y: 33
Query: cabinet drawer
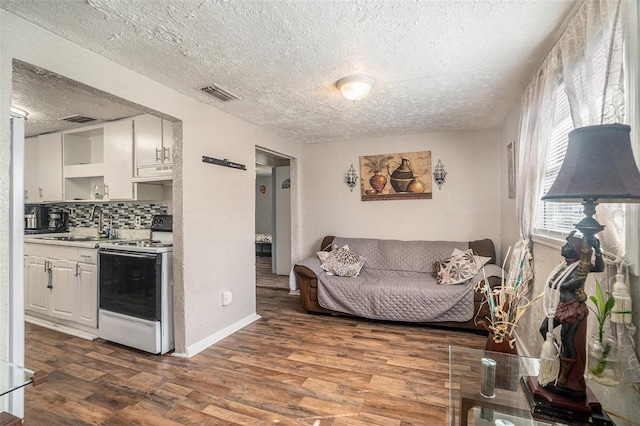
x: 53, y: 252
x: 88, y: 256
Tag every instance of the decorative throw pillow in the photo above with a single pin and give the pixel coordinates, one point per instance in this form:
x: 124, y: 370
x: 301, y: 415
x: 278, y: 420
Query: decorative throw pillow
x: 324, y: 255
x: 343, y: 263
x: 461, y: 266
x: 480, y: 260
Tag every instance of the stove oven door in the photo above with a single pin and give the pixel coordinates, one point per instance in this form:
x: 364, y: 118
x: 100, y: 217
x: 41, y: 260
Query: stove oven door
x: 131, y: 284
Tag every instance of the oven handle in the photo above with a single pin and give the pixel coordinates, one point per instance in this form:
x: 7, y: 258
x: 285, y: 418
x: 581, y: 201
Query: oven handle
x: 127, y: 254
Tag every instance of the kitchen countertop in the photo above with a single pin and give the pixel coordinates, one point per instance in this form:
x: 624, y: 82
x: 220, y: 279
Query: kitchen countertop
x: 84, y: 237
x: 49, y: 239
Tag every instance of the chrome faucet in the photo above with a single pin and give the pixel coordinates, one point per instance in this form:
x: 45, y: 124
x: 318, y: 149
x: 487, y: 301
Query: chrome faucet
x: 100, y: 219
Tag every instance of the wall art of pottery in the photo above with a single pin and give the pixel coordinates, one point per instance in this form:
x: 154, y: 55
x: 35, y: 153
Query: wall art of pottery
x: 404, y: 175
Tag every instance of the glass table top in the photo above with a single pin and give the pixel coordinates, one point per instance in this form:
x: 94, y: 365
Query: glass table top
x: 13, y: 377
x: 509, y: 406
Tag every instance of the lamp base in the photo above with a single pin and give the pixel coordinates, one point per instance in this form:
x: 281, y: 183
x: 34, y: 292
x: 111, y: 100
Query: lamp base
x: 549, y: 406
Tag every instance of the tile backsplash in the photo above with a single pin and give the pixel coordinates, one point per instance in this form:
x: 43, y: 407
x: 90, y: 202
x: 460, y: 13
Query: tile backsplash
x: 122, y: 215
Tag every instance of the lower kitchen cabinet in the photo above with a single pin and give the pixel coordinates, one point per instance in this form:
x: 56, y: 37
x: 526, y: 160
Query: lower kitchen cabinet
x: 60, y: 285
x: 88, y: 294
x: 36, y: 282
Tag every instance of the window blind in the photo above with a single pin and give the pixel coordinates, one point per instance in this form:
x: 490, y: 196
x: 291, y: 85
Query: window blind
x: 557, y: 218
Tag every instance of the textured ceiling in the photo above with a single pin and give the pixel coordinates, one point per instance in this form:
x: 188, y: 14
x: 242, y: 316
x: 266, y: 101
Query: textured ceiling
x: 438, y: 65
x: 49, y: 97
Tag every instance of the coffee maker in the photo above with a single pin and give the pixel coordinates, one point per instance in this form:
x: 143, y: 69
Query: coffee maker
x: 36, y: 219
x: 57, y: 221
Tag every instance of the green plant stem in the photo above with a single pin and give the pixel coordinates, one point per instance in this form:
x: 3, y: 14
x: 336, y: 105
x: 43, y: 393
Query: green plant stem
x: 602, y: 363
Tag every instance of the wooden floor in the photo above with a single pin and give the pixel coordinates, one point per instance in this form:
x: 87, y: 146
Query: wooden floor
x: 288, y: 368
x: 264, y: 276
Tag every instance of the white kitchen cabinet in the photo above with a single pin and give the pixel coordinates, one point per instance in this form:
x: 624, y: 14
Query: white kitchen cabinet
x: 36, y: 279
x: 88, y: 294
x: 118, y: 160
x: 31, y: 167
x: 64, y: 289
x: 50, y: 166
x: 98, y: 164
x: 61, y: 283
x: 153, y: 141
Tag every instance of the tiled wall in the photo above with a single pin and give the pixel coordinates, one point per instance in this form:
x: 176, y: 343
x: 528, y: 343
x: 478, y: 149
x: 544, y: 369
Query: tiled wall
x: 122, y: 215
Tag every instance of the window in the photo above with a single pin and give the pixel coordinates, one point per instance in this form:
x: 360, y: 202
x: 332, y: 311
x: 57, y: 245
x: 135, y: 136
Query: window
x: 556, y: 218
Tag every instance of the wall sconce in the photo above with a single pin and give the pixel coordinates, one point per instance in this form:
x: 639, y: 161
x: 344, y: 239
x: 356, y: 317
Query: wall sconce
x: 439, y: 174
x: 355, y: 87
x: 352, y: 178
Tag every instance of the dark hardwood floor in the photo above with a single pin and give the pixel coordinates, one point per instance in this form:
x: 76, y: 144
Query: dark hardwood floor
x: 288, y: 368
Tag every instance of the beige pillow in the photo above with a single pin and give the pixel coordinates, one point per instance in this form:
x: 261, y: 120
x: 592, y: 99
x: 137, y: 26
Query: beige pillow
x: 324, y: 255
x: 343, y: 263
x: 458, y: 268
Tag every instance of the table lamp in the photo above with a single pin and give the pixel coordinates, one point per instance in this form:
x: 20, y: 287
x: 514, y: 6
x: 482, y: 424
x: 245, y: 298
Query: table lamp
x: 599, y: 166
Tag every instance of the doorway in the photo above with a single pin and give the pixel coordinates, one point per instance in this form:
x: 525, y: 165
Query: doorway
x: 273, y: 218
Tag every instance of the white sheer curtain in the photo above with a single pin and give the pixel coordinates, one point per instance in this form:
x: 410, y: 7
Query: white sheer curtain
x: 535, y: 133
x: 592, y: 56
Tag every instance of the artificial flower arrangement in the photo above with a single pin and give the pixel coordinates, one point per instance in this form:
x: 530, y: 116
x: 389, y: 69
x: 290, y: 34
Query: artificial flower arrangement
x: 507, y: 302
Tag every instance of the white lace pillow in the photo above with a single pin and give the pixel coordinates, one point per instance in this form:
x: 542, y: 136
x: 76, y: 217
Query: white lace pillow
x: 461, y: 266
x: 343, y: 263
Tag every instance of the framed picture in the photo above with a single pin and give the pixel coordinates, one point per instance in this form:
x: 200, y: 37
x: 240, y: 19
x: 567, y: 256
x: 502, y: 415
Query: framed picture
x: 511, y: 169
x: 403, y: 175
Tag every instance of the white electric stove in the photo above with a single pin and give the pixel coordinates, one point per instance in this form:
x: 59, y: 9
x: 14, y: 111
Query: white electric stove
x: 136, y: 290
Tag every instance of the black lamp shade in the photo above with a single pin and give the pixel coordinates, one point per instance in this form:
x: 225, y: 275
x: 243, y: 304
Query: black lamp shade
x: 598, y: 165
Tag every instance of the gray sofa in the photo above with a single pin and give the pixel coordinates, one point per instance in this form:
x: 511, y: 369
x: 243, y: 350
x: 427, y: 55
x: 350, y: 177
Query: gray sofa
x: 398, y: 283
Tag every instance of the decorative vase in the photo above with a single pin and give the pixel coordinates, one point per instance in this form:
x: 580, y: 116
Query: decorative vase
x: 603, y: 363
x: 402, y: 176
x: 502, y: 347
x: 377, y: 181
x: 507, y: 371
x: 415, y: 185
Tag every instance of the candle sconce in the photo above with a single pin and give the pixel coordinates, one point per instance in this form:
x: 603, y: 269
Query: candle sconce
x: 439, y: 174
x: 351, y: 178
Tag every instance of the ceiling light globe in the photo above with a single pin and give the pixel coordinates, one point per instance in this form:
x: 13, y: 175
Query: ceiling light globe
x: 355, y: 87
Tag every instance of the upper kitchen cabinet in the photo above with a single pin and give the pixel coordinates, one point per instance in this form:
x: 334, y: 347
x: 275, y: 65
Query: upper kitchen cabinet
x: 153, y: 148
x: 84, y: 163
x: 98, y: 164
x: 118, y: 160
x: 43, y: 168
x: 31, y: 167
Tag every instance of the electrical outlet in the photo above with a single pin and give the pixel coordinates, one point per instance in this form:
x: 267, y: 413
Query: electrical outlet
x: 137, y: 222
x: 226, y: 298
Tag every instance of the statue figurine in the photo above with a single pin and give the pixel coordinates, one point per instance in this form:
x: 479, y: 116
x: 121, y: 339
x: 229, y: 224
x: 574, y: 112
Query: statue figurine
x: 571, y: 314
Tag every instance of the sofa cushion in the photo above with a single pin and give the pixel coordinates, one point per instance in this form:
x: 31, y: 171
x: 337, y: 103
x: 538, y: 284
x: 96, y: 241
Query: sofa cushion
x: 396, y: 255
x: 343, y: 263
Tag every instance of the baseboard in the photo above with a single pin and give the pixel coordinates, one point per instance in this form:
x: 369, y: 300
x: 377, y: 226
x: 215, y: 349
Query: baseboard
x: 61, y: 328
x: 216, y: 337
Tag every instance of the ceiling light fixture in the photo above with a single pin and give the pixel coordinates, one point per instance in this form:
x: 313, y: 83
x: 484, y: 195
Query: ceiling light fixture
x: 355, y: 87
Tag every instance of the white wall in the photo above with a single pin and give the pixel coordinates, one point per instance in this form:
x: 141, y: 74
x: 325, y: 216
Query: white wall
x: 213, y: 206
x: 282, y: 213
x: 508, y: 225
x: 263, y: 205
x: 466, y: 208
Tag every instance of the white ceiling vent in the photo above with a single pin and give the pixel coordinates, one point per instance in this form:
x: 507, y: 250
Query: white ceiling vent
x: 218, y: 92
x: 75, y: 118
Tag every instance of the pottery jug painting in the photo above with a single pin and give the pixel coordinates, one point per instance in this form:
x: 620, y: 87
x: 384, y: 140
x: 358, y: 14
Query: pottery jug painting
x: 405, y: 175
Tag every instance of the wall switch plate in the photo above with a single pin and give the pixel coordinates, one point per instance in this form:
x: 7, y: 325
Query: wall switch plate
x: 137, y: 222
x: 226, y: 298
